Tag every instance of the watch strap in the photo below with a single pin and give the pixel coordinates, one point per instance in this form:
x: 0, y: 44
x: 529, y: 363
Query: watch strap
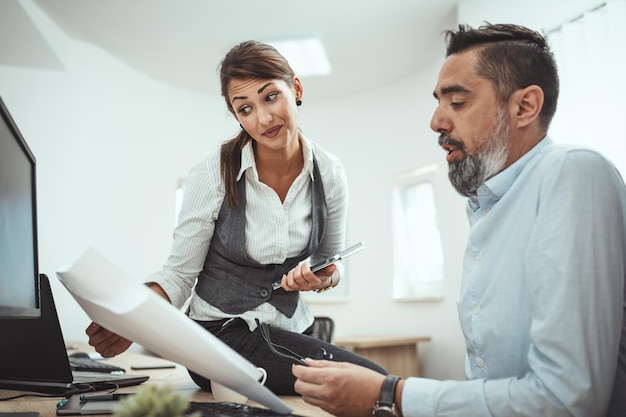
x: 388, y: 391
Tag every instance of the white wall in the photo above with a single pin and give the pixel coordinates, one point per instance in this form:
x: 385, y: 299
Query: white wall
x: 110, y: 146
x: 539, y: 15
x: 112, y: 143
x: 377, y: 135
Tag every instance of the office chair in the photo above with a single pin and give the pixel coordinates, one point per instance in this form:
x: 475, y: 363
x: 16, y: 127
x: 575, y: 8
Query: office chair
x: 323, y: 328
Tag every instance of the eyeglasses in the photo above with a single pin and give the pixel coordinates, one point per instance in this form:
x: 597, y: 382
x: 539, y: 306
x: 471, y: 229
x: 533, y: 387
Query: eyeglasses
x: 285, y: 352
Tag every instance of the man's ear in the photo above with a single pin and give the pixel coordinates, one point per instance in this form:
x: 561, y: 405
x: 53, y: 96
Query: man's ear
x: 526, y: 104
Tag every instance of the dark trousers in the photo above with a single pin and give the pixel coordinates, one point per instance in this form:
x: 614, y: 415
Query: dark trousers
x: 254, y: 348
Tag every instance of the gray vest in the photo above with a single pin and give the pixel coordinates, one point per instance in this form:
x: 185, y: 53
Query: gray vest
x: 233, y: 282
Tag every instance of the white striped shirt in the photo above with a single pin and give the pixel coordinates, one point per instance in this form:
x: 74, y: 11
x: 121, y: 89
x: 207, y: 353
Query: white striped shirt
x: 275, y: 230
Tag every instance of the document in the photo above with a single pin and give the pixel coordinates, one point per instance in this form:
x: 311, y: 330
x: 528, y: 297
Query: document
x: 130, y: 309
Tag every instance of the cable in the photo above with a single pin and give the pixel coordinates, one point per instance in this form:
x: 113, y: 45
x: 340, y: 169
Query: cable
x: 288, y: 354
x: 30, y: 395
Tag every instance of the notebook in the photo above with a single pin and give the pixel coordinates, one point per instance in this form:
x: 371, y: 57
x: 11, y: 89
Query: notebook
x: 113, y: 299
x: 33, y: 356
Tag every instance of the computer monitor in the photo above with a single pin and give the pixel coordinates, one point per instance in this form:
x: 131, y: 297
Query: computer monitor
x: 19, y: 269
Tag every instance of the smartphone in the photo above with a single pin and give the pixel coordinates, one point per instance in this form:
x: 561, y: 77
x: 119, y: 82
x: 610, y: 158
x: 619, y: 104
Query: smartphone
x: 331, y: 260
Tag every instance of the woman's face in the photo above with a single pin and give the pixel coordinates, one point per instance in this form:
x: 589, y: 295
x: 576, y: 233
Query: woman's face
x: 267, y: 110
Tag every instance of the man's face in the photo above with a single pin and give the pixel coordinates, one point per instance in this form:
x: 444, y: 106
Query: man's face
x: 473, y: 125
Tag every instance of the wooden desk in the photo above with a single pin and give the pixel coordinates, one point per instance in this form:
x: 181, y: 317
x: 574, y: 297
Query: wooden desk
x: 397, y: 354
x: 177, y: 379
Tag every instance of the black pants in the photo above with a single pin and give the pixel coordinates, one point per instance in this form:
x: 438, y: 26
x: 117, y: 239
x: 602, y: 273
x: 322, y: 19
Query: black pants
x: 254, y: 348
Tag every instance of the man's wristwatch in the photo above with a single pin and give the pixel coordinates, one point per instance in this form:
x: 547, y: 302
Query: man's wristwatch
x: 384, y: 406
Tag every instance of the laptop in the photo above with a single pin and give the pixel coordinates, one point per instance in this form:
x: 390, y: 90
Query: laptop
x: 34, y: 356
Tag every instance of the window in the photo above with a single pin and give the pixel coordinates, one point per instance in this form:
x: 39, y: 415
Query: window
x: 178, y: 202
x: 418, y: 255
x: 591, y: 68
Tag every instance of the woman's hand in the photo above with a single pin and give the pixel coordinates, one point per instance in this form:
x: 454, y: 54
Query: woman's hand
x: 106, y: 343
x: 339, y: 388
x: 301, y: 278
x: 109, y: 344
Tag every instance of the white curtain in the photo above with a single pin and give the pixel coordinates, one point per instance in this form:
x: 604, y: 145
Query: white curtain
x: 591, y: 54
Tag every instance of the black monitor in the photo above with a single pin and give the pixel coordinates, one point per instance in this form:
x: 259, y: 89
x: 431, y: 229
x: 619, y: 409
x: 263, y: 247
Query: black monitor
x: 19, y: 269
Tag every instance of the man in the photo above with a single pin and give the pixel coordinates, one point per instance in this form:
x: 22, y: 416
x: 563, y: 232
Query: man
x: 541, y: 302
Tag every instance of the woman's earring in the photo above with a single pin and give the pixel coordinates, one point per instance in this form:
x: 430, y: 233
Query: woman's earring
x: 298, y: 102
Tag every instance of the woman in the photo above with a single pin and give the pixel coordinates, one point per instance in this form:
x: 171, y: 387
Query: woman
x: 253, y: 211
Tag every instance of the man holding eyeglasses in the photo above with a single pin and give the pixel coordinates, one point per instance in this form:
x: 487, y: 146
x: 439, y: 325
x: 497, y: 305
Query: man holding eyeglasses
x: 542, y: 298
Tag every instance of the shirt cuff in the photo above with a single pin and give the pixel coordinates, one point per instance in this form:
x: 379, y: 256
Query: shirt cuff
x: 177, y: 298
x: 418, y: 396
x: 423, y: 397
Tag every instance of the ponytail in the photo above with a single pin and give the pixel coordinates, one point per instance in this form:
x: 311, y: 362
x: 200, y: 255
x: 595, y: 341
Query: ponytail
x: 230, y: 164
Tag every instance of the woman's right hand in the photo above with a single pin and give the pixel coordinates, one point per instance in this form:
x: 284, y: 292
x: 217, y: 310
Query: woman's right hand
x: 106, y: 343
x: 109, y: 344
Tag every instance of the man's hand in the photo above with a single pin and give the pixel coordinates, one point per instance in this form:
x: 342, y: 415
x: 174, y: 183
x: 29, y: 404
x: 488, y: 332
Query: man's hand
x: 339, y: 388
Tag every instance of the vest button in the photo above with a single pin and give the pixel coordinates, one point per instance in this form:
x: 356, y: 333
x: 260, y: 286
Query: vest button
x: 264, y: 293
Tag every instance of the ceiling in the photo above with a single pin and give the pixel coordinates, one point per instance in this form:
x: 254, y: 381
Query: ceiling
x: 181, y: 42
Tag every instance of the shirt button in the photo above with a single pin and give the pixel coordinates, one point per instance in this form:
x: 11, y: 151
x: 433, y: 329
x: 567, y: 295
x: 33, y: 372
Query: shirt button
x: 477, y: 309
x: 264, y: 293
x: 480, y: 363
x: 478, y: 256
x: 486, y: 209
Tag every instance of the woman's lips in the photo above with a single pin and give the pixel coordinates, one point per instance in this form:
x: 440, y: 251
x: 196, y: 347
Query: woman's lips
x: 270, y: 133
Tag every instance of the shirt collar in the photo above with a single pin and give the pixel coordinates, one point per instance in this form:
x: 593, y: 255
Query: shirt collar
x: 495, y: 187
x: 248, y: 162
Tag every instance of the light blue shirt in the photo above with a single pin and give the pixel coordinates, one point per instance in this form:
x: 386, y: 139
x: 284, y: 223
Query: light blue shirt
x: 542, y: 298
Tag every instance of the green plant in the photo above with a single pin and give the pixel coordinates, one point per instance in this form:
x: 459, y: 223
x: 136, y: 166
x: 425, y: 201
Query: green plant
x: 154, y: 401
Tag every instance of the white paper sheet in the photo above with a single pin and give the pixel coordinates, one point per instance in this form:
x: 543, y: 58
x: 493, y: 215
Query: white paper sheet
x: 111, y: 299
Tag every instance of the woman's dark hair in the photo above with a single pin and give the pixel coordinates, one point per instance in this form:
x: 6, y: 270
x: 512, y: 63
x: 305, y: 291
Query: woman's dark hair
x: 511, y: 57
x: 247, y: 60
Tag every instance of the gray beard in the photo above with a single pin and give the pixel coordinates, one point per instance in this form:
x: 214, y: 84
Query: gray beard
x: 473, y: 170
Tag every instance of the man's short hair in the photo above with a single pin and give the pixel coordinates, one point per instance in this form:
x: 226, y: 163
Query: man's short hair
x: 511, y: 57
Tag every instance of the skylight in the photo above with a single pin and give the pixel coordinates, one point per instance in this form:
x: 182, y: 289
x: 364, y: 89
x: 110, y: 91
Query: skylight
x: 306, y: 56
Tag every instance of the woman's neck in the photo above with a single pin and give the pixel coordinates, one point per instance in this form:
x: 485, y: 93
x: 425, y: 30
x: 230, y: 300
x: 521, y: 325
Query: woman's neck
x: 279, y: 161
x: 278, y: 169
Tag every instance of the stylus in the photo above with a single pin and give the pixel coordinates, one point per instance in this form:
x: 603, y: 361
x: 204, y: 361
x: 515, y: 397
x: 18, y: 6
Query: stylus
x: 101, y: 397
x: 146, y: 367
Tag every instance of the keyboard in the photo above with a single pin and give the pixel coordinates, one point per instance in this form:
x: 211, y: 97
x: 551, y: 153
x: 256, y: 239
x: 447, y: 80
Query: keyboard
x: 92, y: 365
x: 228, y: 409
